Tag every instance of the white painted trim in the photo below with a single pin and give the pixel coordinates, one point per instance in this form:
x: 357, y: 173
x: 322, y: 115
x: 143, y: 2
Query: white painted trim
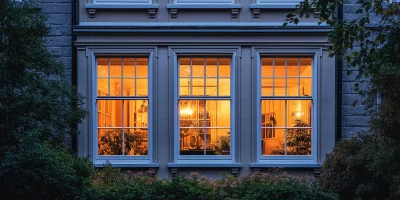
x: 233, y: 52
x: 122, y: 1
x: 313, y: 52
x: 279, y: 2
x: 132, y: 51
x: 204, y: 2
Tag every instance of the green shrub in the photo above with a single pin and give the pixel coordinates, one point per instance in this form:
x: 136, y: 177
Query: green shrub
x: 42, y: 171
x: 253, y: 186
x: 363, y: 167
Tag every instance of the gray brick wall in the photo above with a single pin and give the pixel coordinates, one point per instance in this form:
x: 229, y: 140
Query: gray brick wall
x: 59, y: 20
x: 353, y: 116
x: 59, y: 38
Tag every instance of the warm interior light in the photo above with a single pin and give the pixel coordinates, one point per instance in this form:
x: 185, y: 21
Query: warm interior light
x: 298, y: 114
x: 186, y: 111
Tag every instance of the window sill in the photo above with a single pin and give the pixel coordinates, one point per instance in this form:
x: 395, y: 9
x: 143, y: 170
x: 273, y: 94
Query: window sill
x: 204, y: 6
x: 132, y: 165
x: 205, y: 165
x: 263, y: 165
x: 274, y: 6
x: 173, y: 8
x: 121, y: 6
x: 91, y: 8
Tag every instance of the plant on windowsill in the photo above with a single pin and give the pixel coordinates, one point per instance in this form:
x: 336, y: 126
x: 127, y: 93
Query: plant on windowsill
x: 224, y: 148
x: 111, y: 142
x: 298, y: 140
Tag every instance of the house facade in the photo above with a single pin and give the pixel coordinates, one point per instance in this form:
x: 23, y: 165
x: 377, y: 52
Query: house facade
x: 206, y: 86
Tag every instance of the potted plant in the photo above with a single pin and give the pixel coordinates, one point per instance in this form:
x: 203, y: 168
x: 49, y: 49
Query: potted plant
x: 111, y: 142
x: 298, y: 140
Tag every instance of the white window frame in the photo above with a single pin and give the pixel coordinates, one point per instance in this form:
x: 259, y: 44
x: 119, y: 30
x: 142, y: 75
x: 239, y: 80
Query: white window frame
x: 211, y: 52
x: 204, y: 2
x: 122, y: 160
x: 277, y: 160
x: 278, y: 2
x: 122, y: 1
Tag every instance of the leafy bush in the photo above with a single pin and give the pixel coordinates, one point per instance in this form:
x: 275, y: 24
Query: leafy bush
x: 42, y: 171
x: 364, y: 167
x: 253, y: 186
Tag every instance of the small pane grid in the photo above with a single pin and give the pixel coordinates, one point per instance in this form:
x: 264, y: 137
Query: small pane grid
x: 122, y: 106
x: 204, y: 106
x: 286, y: 106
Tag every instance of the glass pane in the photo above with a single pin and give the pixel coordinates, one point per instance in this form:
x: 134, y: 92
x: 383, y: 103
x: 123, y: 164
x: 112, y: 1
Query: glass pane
x: 104, y: 113
x: 102, y: 67
x: 141, y: 87
x: 129, y: 67
x: 142, y: 67
x: 218, y: 113
x: 273, y: 113
x: 224, y: 67
x: 136, y: 113
x: 184, y: 67
x: 293, y: 68
x: 279, y: 87
x: 191, y: 141
x: 136, y: 142
x: 224, y: 88
x: 280, y: 67
x: 198, y: 67
x: 211, y: 87
x: 299, y: 111
x: 211, y: 67
x: 218, y: 141
x: 191, y: 113
x: 305, y: 67
x: 266, y: 87
x: 272, y: 145
x: 266, y: 67
x: 292, y: 87
x: 110, y: 141
x: 184, y: 87
x: 116, y: 67
x: 198, y: 87
x: 306, y: 87
x: 102, y: 86
x: 298, y: 141
x: 129, y: 87
x: 116, y: 86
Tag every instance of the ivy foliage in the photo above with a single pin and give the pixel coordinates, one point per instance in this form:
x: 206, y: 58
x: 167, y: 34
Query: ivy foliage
x: 36, y: 93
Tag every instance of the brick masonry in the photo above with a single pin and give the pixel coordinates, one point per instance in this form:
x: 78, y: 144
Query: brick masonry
x: 353, y: 117
x: 59, y: 21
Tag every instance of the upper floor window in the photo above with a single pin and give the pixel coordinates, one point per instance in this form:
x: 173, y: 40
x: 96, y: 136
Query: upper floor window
x: 286, y: 106
x: 122, y: 106
x: 204, y: 105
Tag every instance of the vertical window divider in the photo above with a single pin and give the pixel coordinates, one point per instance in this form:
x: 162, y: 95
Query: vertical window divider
x: 286, y: 125
x: 123, y: 127
x: 286, y: 78
x: 109, y: 79
x: 217, y: 76
x: 298, y: 75
x: 134, y: 75
x: 273, y: 77
x: 204, y: 110
x: 191, y: 77
x: 122, y: 77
